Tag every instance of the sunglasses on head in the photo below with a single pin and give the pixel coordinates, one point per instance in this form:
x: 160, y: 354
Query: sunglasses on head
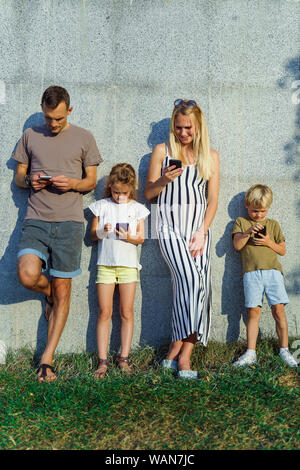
x: 185, y: 103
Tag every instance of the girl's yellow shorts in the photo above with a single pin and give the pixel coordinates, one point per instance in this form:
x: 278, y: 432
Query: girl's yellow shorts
x: 116, y: 275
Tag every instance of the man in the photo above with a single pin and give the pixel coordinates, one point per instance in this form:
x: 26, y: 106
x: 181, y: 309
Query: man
x: 53, y: 228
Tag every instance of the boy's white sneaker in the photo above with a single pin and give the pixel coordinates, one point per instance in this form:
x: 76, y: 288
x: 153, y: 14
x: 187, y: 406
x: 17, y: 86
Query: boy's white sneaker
x: 287, y: 357
x: 248, y: 358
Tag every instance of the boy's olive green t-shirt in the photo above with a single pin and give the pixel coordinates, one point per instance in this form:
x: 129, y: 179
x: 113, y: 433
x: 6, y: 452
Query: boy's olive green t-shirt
x: 255, y: 257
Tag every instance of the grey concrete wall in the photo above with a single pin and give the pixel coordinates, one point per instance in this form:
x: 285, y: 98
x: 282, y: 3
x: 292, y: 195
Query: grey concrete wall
x: 124, y: 62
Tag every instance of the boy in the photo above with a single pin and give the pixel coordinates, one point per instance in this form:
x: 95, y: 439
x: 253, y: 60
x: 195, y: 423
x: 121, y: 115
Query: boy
x: 262, y: 272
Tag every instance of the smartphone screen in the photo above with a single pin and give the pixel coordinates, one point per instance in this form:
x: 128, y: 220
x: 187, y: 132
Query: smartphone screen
x: 263, y: 231
x: 123, y: 225
x: 177, y: 163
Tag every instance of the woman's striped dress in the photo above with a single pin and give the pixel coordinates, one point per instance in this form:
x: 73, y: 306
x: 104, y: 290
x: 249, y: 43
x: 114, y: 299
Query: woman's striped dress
x: 181, y: 209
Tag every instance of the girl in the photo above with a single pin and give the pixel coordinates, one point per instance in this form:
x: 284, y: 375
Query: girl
x: 187, y: 203
x: 118, y: 224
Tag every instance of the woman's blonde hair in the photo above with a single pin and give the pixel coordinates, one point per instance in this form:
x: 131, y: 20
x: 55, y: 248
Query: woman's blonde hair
x: 201, y: 144
x: 259, y: 196
x: 121, y: 173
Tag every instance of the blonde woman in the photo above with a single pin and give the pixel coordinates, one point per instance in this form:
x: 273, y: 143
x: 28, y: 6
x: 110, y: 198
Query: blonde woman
x: 187, y: 201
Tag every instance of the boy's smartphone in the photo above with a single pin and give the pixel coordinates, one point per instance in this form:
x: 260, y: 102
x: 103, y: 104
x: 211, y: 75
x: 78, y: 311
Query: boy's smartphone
x: 177, y: 163
x: 262, y: 231
x: 122, y: 225
x: 45, y: 177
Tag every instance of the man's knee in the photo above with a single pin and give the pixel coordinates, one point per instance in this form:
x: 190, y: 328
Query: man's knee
x: 29, y: 274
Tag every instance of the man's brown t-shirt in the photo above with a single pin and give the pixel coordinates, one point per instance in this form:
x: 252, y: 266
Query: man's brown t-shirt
x: 66, y: 153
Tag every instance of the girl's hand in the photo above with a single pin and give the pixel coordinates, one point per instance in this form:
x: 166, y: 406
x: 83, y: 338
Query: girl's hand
x: 122, y: 234
x: 262, y: 240
x: 107, y: 228
x: 170, y: 173
x: 197, y: 243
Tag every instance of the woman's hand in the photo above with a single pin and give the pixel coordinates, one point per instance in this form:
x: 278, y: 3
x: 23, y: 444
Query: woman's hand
x: 197, y: 243
x: 170, y: 173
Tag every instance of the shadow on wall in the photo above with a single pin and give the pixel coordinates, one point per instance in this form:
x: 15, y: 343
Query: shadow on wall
x: 292, y: 151
x: 156, y: 296
x: 232, y: 277
x: 8, y: 263
x: 155, y: 276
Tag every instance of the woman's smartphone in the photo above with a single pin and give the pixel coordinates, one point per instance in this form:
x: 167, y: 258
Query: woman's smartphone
x: 177, y: 163
x: 45, y: 177
x: 122, y: 225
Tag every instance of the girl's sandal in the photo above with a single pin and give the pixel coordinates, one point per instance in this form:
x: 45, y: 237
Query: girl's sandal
x: 124, y: 365
x: 102, y: 369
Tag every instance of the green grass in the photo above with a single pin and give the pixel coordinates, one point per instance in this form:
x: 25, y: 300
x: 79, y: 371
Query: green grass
x: 254, y: 408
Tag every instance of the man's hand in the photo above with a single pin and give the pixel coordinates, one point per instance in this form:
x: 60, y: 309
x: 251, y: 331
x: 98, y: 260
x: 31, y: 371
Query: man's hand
x: 37, y: 183
x: 62, y: 182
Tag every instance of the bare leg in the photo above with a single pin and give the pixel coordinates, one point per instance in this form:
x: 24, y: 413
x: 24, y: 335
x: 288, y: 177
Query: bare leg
x: 174, y: 350
x: 279, y: 316
x: 186, y: 352
x: 127, y: 293
x: 61, y: 294
x: 30, y: 276
x: 252, y: 326
x: 105, y: 301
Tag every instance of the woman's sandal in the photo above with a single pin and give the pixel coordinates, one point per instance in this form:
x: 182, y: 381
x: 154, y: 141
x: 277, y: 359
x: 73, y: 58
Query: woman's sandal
x: 102, y: 369
x: 124, y: 365
x: 44, y: 377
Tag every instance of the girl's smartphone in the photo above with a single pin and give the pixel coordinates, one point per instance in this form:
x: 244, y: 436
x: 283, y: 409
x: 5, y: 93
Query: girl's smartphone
x: 45, y: 177
x: 177, y: 163
x: 122, y: 225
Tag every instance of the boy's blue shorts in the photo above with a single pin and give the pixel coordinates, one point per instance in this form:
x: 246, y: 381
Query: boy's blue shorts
x: 57, y: 244
x: 264, y: 281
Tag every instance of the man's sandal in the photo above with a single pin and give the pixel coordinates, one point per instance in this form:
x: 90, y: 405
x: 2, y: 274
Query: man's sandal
x: 102, y: 369
x: 43, y: 377
x: 124, y: 365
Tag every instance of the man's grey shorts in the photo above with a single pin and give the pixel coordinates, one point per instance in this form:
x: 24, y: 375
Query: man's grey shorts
x: 57, y: 244
x: 269, y: 282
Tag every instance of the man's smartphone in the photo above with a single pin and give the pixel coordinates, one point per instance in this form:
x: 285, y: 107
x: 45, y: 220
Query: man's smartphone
x: 122, y: 225
x: 262, y: 231
x: 45, y: 177
x: 177, y: 163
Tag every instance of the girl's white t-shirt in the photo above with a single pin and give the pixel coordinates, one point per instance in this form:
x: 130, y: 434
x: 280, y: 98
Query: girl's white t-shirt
x: 111, y: 250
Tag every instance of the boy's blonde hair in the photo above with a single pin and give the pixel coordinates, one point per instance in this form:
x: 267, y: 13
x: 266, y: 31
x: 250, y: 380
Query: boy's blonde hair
x: 259, y: 196
x: 121, y: 173
x: 201, y: 145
